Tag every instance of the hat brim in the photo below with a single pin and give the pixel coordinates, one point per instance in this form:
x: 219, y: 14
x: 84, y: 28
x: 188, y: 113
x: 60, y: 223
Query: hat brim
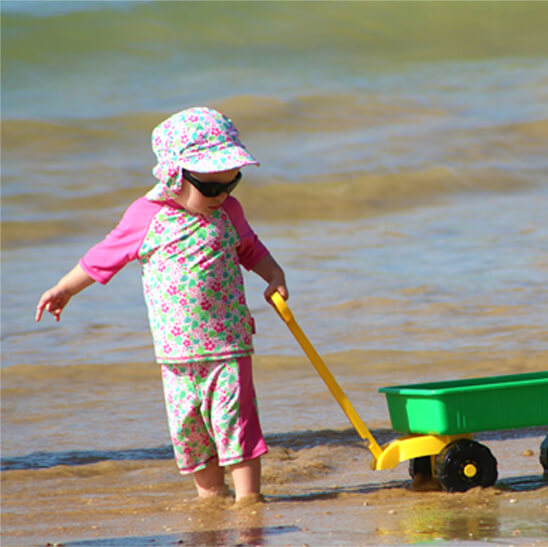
x: 216, y: 158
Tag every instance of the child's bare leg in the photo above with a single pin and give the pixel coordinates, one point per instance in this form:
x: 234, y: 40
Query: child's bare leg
x: 211, y: 480
x: 247, y: 478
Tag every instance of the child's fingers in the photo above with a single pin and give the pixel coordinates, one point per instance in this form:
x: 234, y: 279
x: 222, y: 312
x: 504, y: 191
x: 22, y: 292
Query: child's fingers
x: 283, y: 291
x: 41, y: 306
x: 55, y: 308
x: 271, y: 290
x: 52, y: 304
x: 39, y: 312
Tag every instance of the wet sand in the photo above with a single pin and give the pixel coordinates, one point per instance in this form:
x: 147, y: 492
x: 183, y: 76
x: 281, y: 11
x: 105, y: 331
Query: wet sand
x: 322, y: 494
x: 318, y: 485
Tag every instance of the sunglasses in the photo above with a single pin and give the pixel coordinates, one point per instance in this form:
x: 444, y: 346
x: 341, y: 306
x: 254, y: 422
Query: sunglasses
x: 212, y: 189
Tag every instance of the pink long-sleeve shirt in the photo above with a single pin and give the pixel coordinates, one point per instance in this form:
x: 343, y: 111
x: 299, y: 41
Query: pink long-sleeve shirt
x: 192, y: 280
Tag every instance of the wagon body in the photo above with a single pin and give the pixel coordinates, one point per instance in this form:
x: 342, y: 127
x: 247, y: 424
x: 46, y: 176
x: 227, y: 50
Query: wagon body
x: 441, y: 417
x: 470, y: 405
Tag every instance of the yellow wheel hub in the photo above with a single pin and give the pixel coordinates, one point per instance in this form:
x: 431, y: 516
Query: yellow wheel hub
x: 470, y: 470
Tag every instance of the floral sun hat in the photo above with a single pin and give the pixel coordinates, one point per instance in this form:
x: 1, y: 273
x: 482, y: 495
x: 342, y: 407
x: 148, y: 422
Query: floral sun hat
x: 198, y: 139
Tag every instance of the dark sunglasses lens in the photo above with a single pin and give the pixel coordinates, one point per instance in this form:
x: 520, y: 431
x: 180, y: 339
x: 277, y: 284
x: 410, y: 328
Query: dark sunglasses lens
x: 213, y: 189
x: 209, y: 190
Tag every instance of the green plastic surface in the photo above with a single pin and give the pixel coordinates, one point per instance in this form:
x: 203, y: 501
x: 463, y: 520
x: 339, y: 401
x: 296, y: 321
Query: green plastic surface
x: 471, y: 405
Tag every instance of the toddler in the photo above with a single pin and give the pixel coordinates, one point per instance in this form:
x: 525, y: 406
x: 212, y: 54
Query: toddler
x: 190, y: 237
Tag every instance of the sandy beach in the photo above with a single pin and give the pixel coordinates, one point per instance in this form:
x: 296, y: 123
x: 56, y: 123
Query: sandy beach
x: 322, y: 494
x: 318, y: 485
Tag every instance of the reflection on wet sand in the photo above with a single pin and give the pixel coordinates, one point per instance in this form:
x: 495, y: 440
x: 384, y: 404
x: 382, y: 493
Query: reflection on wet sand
x: 232, y: 536
x: 457, y: 523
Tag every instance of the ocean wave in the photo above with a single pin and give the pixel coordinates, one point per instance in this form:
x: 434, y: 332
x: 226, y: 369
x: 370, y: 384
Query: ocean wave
x: 367, y: 29
x: 38, y: 8
x: 44, y: 460
x: 155, y: 55
x: 336, y: 197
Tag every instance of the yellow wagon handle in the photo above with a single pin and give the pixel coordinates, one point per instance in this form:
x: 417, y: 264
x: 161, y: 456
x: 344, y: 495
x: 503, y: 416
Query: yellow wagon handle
x: 285, y: 313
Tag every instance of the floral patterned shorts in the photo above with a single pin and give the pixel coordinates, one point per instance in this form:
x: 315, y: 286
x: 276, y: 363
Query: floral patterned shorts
x: 212, y: 413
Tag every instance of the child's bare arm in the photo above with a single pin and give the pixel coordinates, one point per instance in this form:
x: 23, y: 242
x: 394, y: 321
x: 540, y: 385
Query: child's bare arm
x: 56, y: 298
x: 273, y: 274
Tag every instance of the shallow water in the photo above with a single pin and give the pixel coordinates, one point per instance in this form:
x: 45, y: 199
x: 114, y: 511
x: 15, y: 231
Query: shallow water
x: 402, y: 186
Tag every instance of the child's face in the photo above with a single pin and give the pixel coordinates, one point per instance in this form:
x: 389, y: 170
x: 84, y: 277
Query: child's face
x: 195, y: 202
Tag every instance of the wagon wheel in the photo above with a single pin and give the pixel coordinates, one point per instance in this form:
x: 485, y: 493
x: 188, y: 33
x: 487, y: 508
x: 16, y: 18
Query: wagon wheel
x: 544, y: 455
x: 420, y: 466
x: 464, y: 464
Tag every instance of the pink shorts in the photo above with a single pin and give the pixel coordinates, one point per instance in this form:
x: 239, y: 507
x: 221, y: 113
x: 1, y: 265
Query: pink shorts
x: 212, y: 413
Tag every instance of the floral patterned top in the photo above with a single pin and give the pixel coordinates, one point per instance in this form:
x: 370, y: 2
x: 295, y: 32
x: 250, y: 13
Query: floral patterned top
x: 192, y: 279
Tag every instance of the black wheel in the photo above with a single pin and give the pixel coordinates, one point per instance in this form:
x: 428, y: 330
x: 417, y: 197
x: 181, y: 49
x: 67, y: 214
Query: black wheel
x: 544, y: 455
x: 420, y: 466
x: 464, y: 464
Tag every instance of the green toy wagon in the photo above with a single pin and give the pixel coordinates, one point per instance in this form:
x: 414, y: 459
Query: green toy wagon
x: 439, y: 419
x: 449, y: 412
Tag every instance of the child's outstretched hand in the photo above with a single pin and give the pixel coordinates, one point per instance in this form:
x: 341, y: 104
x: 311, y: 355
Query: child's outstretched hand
x: 53, y: 301
x: 56, y: 298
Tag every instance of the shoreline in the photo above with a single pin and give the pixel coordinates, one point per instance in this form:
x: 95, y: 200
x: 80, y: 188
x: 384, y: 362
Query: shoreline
x: 323, y: 494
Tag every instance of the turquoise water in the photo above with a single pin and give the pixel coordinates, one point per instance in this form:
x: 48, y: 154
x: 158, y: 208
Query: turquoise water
x: 403, y: 150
